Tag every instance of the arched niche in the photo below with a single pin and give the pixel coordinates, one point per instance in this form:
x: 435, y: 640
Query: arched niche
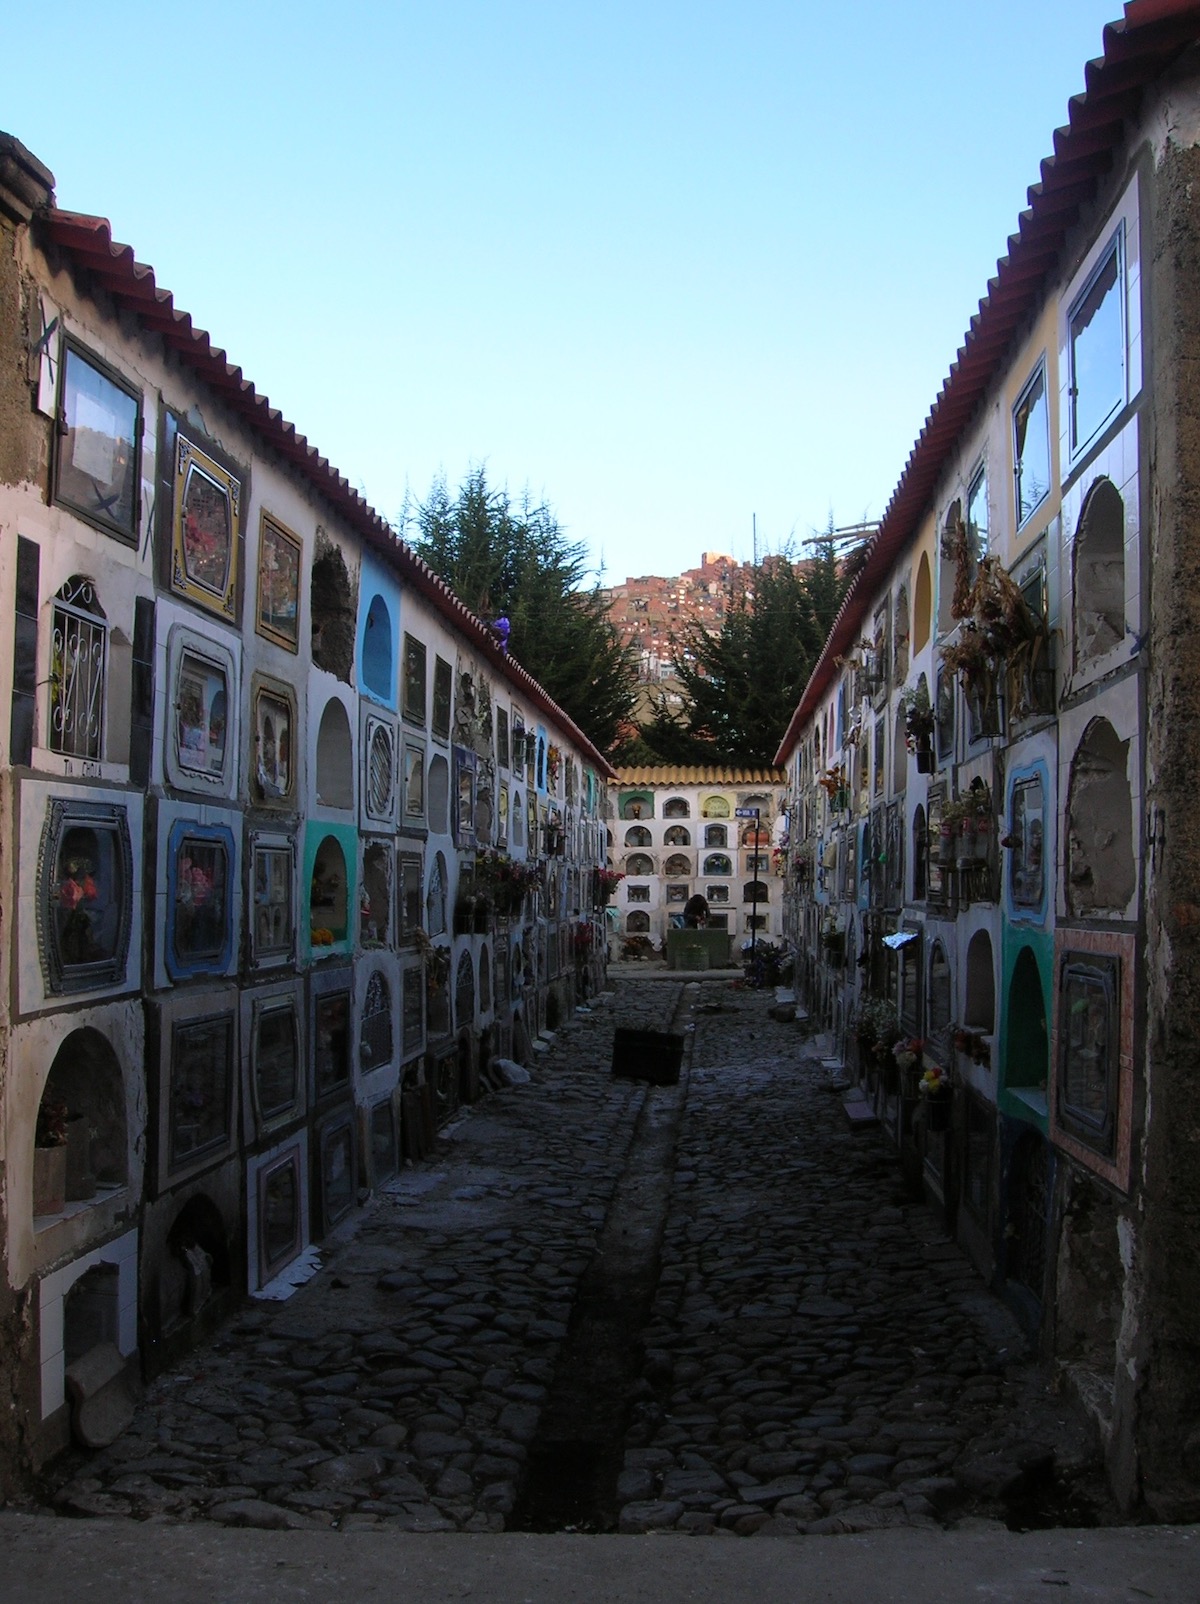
x: 637, y: 923
x: 327, y: 910
x: 717, y: 863
x: 677, y: 836
x: 920, y: 853
x: 1101, y: 873
x: 435, y: 897
x: 922, y: 605
x: 899, y: 754
x: 941, y: 993
x: 715, y: 807
x: 331, y: 608
x: 378, y: 651
x: 464, y: 991
x: 677, y: 866
x: 1027, y: 1052
x: 636, y: 836
x: 335, y: 758
x: 485, y: 988
x: 902, y: 640
x: 639, y: 863
x: 83, y: 1108
x: 676, y: 807
x: 375, y: 1026
x: 1099, y: 573
x: 439, y: 795
x: 516, y: 821
x: 716, y: 835
x: 637, y: 805
x: 197, y: 1263
x: 947, y: 570
x: 979, y: 1007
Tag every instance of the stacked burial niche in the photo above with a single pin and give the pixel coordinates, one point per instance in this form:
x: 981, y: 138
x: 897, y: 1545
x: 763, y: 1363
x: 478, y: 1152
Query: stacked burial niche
x: 1101, y: 874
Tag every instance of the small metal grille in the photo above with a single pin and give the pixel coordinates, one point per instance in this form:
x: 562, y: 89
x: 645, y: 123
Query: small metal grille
x: 78, y: 657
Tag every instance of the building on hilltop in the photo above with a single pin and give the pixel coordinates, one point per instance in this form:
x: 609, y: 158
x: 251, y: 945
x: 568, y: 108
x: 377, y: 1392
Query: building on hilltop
x: 674, y: 833
x: 993, y: 875
x: 293, y: 848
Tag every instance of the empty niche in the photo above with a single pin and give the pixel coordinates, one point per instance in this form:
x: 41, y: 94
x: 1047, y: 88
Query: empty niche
x: 378, y: 671
x: 980, y: 1008
x: 83, y: 1110
x: 196, y: 1263
x: 90, y: 1312
x: 1101, y: 875
x: 335, y: 758
x: 1027, y: 1056
x: 332, y: 612
x: 439, y: 795
x: 922, y: 605
x: 1099, y: 601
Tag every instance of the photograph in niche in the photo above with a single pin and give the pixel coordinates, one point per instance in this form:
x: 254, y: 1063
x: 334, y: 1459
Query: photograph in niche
x: 273, y: 746
x: 279, y: 585
x: 200, y: 911
x: 202, y: 703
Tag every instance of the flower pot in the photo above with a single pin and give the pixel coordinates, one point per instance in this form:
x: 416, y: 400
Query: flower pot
x: 937, y: 1111
x: 49, y: 1179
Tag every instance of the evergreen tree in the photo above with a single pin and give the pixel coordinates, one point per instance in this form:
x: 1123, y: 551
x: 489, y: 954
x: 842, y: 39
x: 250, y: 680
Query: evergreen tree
x: 516, y: 560
x: 741, y: 686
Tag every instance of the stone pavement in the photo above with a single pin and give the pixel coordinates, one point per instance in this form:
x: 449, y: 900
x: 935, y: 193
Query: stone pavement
x: 815, y: 1358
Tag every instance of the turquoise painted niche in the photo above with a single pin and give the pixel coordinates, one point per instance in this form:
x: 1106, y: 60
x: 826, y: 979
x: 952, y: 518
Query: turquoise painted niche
x: 330, y: 888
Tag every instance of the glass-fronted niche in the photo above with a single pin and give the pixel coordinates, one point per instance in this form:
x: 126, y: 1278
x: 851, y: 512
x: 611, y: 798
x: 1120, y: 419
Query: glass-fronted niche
x: 200, y: 747
x: 193, y: 1042
x: 85, y: 895
x: 201, y: 876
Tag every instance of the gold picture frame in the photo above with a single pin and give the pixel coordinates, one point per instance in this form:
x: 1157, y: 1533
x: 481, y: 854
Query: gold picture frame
x: 206, y: 511
x: 277, y: 612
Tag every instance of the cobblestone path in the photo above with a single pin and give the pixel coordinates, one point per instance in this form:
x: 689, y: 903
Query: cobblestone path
x: 815, y: 1357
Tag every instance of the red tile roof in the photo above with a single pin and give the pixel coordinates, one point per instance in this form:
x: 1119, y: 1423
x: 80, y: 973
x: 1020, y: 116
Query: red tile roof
x: 1136, y: 50
x: 86, y: 244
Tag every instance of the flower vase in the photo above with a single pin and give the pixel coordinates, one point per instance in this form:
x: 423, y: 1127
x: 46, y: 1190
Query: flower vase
x: 966, y: 843
x: 983, y: 839
x: 49, y: 1179
x: 945, y: 843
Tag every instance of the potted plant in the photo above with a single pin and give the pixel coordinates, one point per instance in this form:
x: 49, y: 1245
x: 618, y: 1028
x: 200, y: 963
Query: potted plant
x: 50, y: 1158
x: 878, y: 1030
x: 919, y: 724
x: 907, y: 1054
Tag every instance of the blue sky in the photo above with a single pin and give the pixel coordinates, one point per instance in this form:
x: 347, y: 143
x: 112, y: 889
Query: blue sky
x: 667, y: 265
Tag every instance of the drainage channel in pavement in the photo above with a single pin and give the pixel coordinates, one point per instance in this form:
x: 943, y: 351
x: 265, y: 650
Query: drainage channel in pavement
x: 571, y: 1475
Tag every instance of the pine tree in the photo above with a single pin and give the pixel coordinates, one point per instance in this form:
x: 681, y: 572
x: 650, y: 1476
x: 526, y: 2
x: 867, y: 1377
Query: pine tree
x: 516, y: 560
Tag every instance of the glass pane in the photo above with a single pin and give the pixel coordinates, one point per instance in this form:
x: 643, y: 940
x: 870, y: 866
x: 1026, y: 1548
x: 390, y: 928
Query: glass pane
x: 201, y: 869
x: 201, y: 717
x: 1097, y: 353
x: 279, y: 1214
x: 273, y: 746
x: 97, y: 466
x: 442, y: 691
x: 1026, y: 873
x: 207, y: 530
x: 201, y: 1071
x: 414, y: 679
x: 1031, y: 423
x: 1087, y: 1013
x: 89, y: 891
x: 276, y: 1060
x: 977, y: 515
x: 272, y: 900
x: 337, y: 1173
x: 331, y: 1041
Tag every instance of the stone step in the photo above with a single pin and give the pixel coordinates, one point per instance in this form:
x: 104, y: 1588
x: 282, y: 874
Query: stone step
x: 858, y: 1111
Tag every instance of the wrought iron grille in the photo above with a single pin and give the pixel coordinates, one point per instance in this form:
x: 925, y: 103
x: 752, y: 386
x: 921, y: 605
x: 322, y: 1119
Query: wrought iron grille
x: 79, y: 653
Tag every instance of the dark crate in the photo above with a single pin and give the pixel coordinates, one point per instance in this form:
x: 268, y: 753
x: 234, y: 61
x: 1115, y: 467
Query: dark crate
x: 649, y: 1055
